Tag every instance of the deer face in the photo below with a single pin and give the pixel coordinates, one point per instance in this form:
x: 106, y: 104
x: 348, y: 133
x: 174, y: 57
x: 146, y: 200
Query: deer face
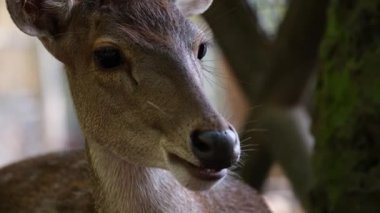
x: 134, y: 69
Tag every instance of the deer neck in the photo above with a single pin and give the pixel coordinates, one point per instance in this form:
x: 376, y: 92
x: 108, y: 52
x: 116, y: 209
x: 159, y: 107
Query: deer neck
x: 124, y: 187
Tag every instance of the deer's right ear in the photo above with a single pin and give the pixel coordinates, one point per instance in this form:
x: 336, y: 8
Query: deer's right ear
x: 41, y: 18
x: 193, y: 7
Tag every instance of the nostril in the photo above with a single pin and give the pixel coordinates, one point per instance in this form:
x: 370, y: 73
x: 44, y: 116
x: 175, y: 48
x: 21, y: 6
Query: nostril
x: 202, y: 146
x: 199, y: 144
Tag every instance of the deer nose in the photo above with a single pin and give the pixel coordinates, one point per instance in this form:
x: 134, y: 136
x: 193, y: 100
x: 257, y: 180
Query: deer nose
x: 216, y: 149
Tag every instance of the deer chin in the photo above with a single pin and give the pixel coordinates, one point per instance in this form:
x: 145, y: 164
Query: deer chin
x: 194, y: 177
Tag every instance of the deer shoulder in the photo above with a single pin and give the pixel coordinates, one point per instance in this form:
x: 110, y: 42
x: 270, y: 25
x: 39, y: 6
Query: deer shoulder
x: 57, y: 182
x: 62, y: 182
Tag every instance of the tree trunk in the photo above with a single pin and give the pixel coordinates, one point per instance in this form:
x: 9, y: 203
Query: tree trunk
x: 347, y: 127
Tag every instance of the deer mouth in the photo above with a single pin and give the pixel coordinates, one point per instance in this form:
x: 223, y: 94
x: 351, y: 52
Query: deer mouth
x: 199, y: 172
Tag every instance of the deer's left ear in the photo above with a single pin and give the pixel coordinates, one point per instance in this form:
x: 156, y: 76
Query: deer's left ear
x: 193, y: 7
x: 41, y: 17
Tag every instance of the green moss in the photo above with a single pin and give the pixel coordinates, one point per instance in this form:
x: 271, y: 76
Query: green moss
x: 347, y: 126
x: 370, y: 80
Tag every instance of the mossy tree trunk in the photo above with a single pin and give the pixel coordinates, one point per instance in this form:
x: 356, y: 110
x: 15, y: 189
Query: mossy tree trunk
x: 347, y: 127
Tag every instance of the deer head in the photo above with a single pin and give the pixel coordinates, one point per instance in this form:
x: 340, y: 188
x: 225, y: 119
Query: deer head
x: 134, y: 69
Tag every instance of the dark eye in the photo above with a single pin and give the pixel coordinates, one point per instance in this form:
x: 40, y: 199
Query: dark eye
x: 108, y: 57
x: 202, y: 51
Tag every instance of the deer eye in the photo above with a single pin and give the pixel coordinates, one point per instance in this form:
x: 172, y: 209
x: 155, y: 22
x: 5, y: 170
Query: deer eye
x: 202, y: 51
x: 108, y: 57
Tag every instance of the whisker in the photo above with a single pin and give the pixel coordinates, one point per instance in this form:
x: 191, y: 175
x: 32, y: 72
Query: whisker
x: 249, y: 146
x: 256, y: 107
x: 248, y: 150
x: 245, y: 140
x: 251, y: 121
x: 256, y: 130
x: 215, y: 82
x: 234, y: 175
x: 157, y: 107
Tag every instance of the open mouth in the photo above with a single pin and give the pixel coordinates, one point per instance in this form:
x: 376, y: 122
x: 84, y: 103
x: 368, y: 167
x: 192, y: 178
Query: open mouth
x: 206, y: 174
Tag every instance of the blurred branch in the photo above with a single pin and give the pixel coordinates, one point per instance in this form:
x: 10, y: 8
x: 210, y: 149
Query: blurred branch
x: 295, y: 52
x: 276, y: 76
x: 244, y: 44
x: 246, y: 48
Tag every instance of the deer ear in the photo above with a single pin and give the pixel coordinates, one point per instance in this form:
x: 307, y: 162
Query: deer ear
x: 193, y: 7
x: 41, y: 17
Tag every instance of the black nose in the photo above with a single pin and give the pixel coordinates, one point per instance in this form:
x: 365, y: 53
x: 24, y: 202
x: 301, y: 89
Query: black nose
x: 216, y: 149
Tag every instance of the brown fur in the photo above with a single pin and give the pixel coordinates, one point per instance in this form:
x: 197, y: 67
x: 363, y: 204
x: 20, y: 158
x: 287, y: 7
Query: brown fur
x: 134, y: 117
x: 52, y: 183
x: 61, y: 183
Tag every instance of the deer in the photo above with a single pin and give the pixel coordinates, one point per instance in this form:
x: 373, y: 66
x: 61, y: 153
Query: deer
x: 153, y: 142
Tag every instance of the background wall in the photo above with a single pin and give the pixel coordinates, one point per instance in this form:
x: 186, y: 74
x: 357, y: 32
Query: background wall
x: 35, y: 111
